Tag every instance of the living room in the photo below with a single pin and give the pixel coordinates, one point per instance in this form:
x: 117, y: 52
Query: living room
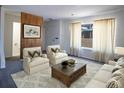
x: 90, y: 39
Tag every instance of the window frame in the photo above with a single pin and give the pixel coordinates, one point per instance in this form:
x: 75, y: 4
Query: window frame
x: 89, y: 48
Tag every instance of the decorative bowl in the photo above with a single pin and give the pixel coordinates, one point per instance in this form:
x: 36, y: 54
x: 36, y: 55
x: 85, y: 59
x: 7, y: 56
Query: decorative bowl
x: 64, y: 64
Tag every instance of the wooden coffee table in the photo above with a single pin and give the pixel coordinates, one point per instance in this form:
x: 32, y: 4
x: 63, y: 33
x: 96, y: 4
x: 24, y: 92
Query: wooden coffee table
x: 70, y: 74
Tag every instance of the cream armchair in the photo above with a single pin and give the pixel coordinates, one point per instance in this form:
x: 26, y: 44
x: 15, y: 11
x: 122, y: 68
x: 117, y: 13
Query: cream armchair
x: 56, y: 57
x: 36, y: 63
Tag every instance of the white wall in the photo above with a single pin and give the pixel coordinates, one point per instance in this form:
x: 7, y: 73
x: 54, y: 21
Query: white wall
x: 2, y: 57
x: 65, y: 34
x: 52, y: 31
x: 8, y: 33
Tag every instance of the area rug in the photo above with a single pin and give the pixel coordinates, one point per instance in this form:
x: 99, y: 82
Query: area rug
x: 43, y: 79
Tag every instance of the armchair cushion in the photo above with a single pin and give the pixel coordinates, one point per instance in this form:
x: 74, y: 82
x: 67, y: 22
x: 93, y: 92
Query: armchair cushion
x: 60, y: 55
x: 38, y: 60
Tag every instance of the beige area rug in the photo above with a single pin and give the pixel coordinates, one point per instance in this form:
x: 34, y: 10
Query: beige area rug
x: 43, y: 79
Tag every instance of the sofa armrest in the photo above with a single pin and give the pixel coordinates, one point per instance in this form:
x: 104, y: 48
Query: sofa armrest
x: 111, y: 62
x: 27, y: 59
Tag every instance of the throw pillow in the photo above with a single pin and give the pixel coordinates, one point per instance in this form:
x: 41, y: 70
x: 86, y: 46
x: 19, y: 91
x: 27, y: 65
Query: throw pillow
x: 31, y: 54
x: 117, y: 67
x: 34, y: 54
x: 118, y: 73
x: 58, y: 50
x: 53, y: 50
x: 115, y: 82
x: 120, y: 62
x: 120, y: 59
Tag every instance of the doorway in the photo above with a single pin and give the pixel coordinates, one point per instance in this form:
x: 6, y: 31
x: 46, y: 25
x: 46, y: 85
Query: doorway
x: 12, y: 27
x: 16, y: 39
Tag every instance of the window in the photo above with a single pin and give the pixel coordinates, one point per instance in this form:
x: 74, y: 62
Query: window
x: 86, y: 35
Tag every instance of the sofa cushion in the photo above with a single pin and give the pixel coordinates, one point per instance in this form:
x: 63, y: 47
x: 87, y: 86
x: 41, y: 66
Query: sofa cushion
x: 103, y: 75
x: 95, y: 84
x: 38, y: 60
x: 107, y: 67
x: 60, y: 55
x: 101, y: 78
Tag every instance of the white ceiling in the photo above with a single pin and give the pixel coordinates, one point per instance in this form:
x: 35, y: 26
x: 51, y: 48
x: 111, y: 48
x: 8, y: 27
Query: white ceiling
x: 64, y: 11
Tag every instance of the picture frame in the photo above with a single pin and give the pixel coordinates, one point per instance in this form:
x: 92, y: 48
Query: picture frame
x: 32, y: 31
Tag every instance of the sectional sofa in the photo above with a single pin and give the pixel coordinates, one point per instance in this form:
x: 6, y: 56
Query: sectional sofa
x: 103, y: 77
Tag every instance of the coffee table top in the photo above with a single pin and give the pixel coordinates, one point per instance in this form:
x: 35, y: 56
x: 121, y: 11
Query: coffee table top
x: 69, y: 70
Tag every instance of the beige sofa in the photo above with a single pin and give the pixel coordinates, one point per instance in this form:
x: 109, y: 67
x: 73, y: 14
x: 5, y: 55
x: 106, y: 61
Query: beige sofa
x: 58, y: 57
x: 35, y: 64
x: 102, y: 76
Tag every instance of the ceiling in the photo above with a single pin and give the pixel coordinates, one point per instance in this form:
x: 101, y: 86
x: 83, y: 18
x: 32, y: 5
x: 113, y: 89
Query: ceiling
x: 64, y: 11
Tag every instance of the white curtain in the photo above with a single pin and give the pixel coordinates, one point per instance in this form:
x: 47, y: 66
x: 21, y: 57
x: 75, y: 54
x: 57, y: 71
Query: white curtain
x: 103, y: 39
x: 75, y: 40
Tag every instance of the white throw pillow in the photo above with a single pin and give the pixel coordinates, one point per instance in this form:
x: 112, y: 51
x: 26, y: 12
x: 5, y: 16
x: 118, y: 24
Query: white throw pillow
x: 120, y: 62
x: 121, y: 59
x: 118, y: 73
x: 116, y: 67
x: 115, y: 82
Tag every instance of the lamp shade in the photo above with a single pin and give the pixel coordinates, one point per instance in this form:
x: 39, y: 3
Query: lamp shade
x: 119, y: 50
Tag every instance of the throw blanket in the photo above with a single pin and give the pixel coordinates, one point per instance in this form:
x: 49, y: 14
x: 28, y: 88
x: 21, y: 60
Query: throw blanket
x: 116, y: 82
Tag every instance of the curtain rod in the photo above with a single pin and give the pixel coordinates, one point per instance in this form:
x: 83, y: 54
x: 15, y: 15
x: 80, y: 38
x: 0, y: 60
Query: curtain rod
x: 104, y: 19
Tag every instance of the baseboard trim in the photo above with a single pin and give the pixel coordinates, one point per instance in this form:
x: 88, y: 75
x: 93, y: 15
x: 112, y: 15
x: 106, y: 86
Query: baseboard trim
x: 12, y: 58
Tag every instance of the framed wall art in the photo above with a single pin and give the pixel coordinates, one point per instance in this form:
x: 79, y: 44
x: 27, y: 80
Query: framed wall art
x: 32, y: 31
